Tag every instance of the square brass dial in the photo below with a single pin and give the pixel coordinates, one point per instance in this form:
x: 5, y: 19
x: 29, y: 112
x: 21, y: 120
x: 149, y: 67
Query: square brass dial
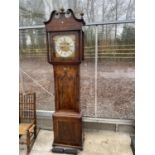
x: 64, y: 45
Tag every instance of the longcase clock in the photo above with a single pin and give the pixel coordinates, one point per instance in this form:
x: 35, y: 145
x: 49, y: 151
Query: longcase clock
x: 65, y: 52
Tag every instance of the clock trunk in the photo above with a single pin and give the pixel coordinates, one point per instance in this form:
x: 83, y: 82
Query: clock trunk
x: 66, y: 87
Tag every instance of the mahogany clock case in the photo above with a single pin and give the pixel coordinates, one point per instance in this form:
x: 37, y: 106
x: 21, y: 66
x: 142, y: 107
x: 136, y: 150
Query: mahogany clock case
x: 67, y: 120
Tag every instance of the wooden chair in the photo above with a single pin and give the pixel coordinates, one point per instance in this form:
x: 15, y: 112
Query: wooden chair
x: 27, y: 119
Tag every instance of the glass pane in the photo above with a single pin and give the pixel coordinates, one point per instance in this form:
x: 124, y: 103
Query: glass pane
x: 87, y: 72
x: 115, y: 82
x: 36, y: 11
x: 36, y: 74
x: 116, y: 71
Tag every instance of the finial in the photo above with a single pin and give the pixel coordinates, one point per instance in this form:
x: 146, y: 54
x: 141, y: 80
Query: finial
x: 62, y: 10
x: 81, y: 14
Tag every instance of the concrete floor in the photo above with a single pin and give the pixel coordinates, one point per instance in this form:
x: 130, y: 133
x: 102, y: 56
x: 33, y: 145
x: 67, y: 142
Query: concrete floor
x: 97, y: 142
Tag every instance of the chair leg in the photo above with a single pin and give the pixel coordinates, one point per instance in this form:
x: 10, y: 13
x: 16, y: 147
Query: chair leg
x: 35, y: 132
x: 28, y: 141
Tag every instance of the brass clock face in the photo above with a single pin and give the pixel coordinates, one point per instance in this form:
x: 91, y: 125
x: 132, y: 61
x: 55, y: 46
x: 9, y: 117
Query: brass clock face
x: 64, y: 45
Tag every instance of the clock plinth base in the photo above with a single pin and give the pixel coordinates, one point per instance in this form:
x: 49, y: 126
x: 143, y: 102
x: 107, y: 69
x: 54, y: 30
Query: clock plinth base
x: 67, y: 130
x: 66, y: 150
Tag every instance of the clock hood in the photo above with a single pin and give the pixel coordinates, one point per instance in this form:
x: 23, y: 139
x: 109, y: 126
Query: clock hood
x: 65, y: 18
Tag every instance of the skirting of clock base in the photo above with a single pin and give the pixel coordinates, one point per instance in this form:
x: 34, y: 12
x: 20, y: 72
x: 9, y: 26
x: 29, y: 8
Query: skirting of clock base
x: 67, y: 128
x: 64, y: 150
